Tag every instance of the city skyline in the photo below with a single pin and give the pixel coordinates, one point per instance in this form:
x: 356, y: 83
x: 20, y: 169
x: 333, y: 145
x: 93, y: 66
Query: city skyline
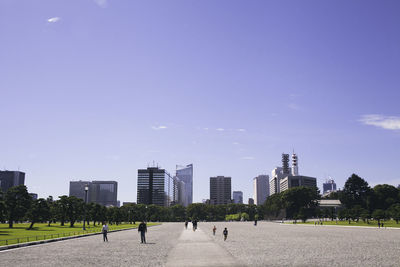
x: 96, y: 91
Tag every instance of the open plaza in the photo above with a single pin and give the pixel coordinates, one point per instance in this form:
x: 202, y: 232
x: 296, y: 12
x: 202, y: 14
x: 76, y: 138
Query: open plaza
x: 267, y: 244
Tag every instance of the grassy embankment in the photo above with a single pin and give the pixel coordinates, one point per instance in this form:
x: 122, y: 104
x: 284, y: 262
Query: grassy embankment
x: 41, y: 231
x: 388, y: 223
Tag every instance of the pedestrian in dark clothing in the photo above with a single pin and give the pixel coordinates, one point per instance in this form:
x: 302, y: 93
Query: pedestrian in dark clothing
x: 255, y: 222
x: 194, y: 223
x: 225, y: 232
x: 104, y: 231
x: 382, y: 225
x: 142, y: 229
x: 214, y: 230
x: 186, y: 224
x: 379, y: 225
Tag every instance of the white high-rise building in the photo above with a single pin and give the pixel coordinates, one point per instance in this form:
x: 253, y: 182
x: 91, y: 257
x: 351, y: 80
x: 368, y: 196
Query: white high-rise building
x: 261, y: 189
x: 295, y: 166
x: 276, y: 176
x: 185, y: 174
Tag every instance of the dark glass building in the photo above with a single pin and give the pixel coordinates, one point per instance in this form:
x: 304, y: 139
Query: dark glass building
x: 155, y: 186
x: 100, y: 192
x: 11, y: 178
x: 220, y: 190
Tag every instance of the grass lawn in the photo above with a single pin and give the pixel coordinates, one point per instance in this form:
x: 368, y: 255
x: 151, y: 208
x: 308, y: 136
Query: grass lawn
x: 388, y: 223
x: 40, y: 231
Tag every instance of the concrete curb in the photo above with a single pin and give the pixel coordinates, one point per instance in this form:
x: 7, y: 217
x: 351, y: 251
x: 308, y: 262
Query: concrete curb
x: 343, y: 226
x: 26, y: 244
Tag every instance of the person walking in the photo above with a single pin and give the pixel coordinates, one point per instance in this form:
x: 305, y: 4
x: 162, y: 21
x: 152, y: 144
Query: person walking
x: 142, y: 229
x: 104, y: 231
x: 255, y: 222
x: 225, y: 232
x: 214, y: 230
x: 186, y: 224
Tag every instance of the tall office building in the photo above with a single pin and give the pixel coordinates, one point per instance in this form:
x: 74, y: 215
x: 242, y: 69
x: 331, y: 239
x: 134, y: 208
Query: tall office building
x: 276, y: 176
x: 77, y: 189
x: 11, y: 178
x: 155, y: 186
x: 261, y: 189
x: 329, y: 186
x: 220, y: 190
x: 179, y: 196
x: 185, y: 174
x: 104, y: 193
x: 100, y: 192
x: 298, y: 180
x: 237, y: 197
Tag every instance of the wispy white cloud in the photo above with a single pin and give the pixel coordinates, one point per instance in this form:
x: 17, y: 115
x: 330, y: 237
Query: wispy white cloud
x: 236, y: 143
x: 160, y: 127
x: 205, y: 129
x: 54, y: 19
x: 241, y: 130
x: 220, y: 129
x: 293, y: 106
x: 101, y: 3
x: 385, y: 122
x: 248, y: 158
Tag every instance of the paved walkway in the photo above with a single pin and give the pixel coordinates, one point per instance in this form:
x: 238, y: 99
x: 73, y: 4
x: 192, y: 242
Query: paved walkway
x: 195, y: 248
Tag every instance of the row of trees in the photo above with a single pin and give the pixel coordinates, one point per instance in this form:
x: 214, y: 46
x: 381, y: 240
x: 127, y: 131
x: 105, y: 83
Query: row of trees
x: 359, y: 200
x: 17, y: 205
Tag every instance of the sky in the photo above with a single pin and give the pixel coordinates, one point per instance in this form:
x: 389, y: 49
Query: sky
x: 97, y: 89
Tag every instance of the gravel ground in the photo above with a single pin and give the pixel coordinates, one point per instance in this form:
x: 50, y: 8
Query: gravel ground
x: 273, y: 244
x: 123, y: 249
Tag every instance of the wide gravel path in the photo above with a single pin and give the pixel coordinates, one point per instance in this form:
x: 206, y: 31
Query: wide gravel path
x: 274, y: 244
x: 123, y: 249
x: 268, y: 244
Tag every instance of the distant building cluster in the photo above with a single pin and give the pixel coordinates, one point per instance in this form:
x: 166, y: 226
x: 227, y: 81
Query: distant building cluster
x: 286, y: 177
x: 157, y: 186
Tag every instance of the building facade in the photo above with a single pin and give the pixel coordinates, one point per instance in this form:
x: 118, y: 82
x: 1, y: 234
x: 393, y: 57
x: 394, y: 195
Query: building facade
x: 251, y: 201
x: 261, y: 189
x: 155, y: 186
x: 9, y: 179
x: 104, y: 193
x: 185, y: 175
x: 237, y: 197
x: 329, y: 186
x: 100, y: 192
x: 295, y: 181
x: 220, y: 190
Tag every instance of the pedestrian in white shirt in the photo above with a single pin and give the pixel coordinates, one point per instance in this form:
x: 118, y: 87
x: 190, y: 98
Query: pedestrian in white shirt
x: 104, y: 231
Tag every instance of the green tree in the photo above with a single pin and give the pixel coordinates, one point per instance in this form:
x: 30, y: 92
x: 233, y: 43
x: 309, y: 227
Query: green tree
x: 378, y: 215
x: 355, y: 192
x: 74, y: 209
x: 61, y: 207
x: 394, y: 212
x: 39, y: 211
x: 273, y: 206
x: 178, y: 213
x: 17, y: 203
x: 300, y: 197
x: 384, y: 196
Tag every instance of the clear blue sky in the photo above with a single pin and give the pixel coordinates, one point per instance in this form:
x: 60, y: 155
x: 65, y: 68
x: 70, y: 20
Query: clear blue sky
x: 98, y: 89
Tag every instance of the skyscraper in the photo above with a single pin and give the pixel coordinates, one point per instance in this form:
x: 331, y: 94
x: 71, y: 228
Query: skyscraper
x: 11, y: 178
x: 238, y: 197
x: 329, y: 186
x: 155, y: 186
x: 220, y: 190
x: 261, y: 189
x: 285, y: 164
x: 276, y: 176
x: 185, y: 174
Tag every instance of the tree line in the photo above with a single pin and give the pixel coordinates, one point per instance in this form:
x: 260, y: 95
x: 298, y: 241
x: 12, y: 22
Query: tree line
x: 359, y: 200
